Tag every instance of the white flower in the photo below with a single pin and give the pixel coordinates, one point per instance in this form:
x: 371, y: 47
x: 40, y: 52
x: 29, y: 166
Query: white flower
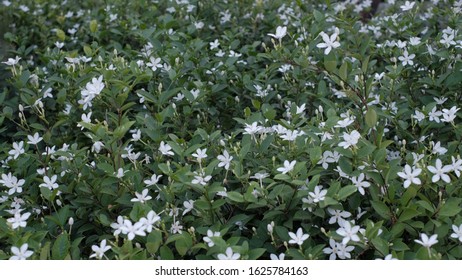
x: 299, y: 237
x: 188, y: 205
x: 229, y: 255
x: 259, y: 176
x: 100, y: 250
x: 288, y: 166
x: 410, y: 175
x: 20, y: 253
x: 434, y: 115
x: 406, y: 59
x: 225, y: 160
x: 215, y: 44
x: 348, y: 232
x: 333, y: 250
x: 154, y: 63
x: 450, y: 115
x: 319, y: 194
x: 154, y: 180
x: 11, y: 182
x: 18, y: 149
x: 176, y: 228
x: 143, y: 197
x: 329, y: 42
x: 201, y: 179
x: 419, y: 116
x: 350, y: 139
x: 337, y: 216
x: 281, y: 31
x: 133, y: 229
x: 97, y: 146
x: 136, y: 136
x: 456, y: 166
x: 457, y: 232
x: 407, y: 6
x: 200, y: 154
x: 119, y: 226
x: 427, y: 241
x: 35, y: 139
x: 440, y: 171
x: 360, y: 183
x: 149, y: 221
x: 275, y: 257
x: 165, y: 149
x: 49, y: 183
x: 120, y: 173
x: 208, y: 239
x: 19, y: 220
x: 252, y: 129
x: 12, y: 61
x: 437, y: 149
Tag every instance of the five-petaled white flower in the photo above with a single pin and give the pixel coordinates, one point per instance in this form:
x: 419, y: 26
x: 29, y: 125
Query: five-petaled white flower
x: 49, y: 182
x: 165, y: 149
x: 229, y: 255
x: 225, y: 160
x: 99, y: 250
x: 20, y: 253
x: 154, y: 63
x: 350, y: 139
x: 200, y: 154
x: 208, y: 239
x: 406, y: 59
x: 10, y: 181
x: 141, y: 197
x: 348, y: 232
x: 19, y: 220
x: 457, y: 232
x: 188, y: 206
x: 360, y: 183
x: 329, y: 42
x: 34, y: 139
x: 149, y: 221
x: 410, y: 175
x: 407, y: 6
x: 426, y: 241
x: 440, y: 171
x: 299, y: 237
x: 154, y: 180
x: 281, y: 31
x: 288, y: 166
x: 18, y: 149
x: 318, y: 195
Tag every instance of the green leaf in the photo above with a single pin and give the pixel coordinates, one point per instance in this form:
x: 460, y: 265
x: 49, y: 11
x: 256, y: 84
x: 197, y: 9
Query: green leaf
x: 93, y: 26
x: 408, y: 214
x: 381, y: 209
x: 450, y: 208
x: 236, y: 197
x: 381, y: 245
x: 371, y: 117
x: 346, y: 192
x: 61, y: 247
x: 166, y: 253
x: 154, y: 240
x: 343, y: 71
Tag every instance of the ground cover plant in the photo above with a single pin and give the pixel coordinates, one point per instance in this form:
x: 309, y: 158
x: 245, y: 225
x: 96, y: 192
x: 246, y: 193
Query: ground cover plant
x: 230, y: 130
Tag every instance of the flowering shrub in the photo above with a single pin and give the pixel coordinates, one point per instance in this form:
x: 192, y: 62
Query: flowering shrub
x: 208, y: 130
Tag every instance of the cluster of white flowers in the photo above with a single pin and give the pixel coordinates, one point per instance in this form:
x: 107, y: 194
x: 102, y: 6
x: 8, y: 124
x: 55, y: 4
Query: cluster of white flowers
x: 140, y: 228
